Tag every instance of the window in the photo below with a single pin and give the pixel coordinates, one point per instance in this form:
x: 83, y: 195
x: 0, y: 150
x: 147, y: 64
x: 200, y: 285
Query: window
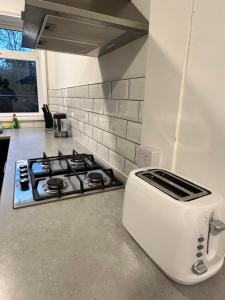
x: 21, y: 82
x: 11, y: 40
x: 18, y: 86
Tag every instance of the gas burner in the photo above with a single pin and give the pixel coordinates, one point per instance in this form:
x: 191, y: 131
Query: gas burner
x: 45, y: 164
x: 52, y: 178
x: 95, y: 178
x: 77, y: 161
x: 54, y: 185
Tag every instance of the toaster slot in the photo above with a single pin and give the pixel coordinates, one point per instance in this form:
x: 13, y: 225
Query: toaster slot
x: 169, y: 187
x: 173, y: 185
x: 190, y: 187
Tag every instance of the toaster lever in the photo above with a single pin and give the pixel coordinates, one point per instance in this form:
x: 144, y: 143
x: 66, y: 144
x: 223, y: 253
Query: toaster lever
x: 216, y: 226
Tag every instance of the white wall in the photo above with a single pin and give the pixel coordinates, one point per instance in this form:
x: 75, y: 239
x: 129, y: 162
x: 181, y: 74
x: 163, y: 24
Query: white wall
x: 201, y: 146
x: 169, y: 30
x: 70, y: 70
x: 184, y: 108
x: 11, y: 6
x: 127, y: 62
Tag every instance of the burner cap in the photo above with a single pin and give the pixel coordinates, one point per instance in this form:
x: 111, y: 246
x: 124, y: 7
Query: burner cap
x: 55, y: 184
x: 77, y: 159
x: 95, y: 177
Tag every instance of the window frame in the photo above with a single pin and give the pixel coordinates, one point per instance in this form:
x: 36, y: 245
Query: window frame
x: 39, y: 56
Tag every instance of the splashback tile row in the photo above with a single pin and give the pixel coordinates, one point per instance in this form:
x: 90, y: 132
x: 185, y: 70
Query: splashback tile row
x: 105, y: 117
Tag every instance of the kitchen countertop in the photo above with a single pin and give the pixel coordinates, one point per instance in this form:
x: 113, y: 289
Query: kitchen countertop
x: 77, y: 248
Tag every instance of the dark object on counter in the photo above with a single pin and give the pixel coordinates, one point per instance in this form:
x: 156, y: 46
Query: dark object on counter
x: 4, y: 146
x: 61, y: 125
x: 48, y: 117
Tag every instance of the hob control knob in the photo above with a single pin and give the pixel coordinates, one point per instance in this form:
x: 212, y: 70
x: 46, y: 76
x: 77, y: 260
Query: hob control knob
x: 23, y: 166
x: 199, y: 267
x: 24, y: 184
x: 22, y: 171
x: 23, y: 175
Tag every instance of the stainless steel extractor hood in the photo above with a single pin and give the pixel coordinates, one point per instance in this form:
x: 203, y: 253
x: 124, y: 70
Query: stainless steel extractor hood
x: 87, y: 27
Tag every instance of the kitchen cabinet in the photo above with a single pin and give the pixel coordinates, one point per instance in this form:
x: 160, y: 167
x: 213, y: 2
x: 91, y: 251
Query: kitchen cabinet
x: 4, y: 146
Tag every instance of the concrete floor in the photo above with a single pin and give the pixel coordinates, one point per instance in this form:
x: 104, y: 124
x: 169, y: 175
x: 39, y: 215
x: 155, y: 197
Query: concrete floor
x: 78, y: 248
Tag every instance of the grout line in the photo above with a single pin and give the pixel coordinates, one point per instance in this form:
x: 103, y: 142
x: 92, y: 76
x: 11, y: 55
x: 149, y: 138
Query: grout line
x: 102, y: 82
x: 115, y: 150
x: 89, y: 111
x: 84, y: 122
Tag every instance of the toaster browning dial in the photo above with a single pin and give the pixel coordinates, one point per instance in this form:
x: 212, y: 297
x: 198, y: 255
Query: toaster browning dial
x: 200, y: 246
x: 201, y: 239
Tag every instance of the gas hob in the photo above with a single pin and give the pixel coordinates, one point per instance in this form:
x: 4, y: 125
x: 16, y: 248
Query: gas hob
x: 48, y: 179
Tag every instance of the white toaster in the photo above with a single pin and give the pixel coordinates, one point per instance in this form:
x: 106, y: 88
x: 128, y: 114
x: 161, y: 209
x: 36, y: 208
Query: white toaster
x: 179, y: 224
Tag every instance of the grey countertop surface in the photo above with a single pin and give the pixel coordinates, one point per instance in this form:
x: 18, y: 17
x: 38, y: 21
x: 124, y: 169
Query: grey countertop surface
x: 77, y: 248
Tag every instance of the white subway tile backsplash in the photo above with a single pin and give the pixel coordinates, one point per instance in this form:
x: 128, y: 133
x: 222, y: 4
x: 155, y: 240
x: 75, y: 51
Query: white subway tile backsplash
x: 118, y: 127
x: 94, y: 91
x: 69, y: 92
x: 80, y: 91
x: 140, y: 115
x: 116, y: 160
x: 53, y: 108
x: 97, y: 134
x: 76, y: 135
x: 87, y: 104
x: 102, y: 152
x: 137, y: 89
x: 105, y: 118
x: 129, y: 166
x: 59, y: 93
x: 51, y: 93
x: 80, y: 126
x: 92, y: 145
x: 134, y: 132
x: 61, y: 109
x: 65, y: 102
x: 120, y: 89
x: 128, y: 110
x: 88, y: 130
x: 51, y: 101
x: 60, y: 101
x: 105, y: 90
x: 126, y: 148
x: 111, y: 107
x: 69, y: 102
x: 84, y: 139
x: 74, y: 102
x: 82, y: 116
x: 103, y: 122
x: 137, y: 155
x: 109, y: 140
x: 98, y: 106
x: 93, y: 119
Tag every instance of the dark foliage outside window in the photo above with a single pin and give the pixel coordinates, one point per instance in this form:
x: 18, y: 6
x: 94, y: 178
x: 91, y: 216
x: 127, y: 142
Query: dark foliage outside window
x: 18, y: 79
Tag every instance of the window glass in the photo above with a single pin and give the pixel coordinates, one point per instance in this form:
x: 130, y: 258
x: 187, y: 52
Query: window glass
x: 11, y: 40
x: 18, y: 86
